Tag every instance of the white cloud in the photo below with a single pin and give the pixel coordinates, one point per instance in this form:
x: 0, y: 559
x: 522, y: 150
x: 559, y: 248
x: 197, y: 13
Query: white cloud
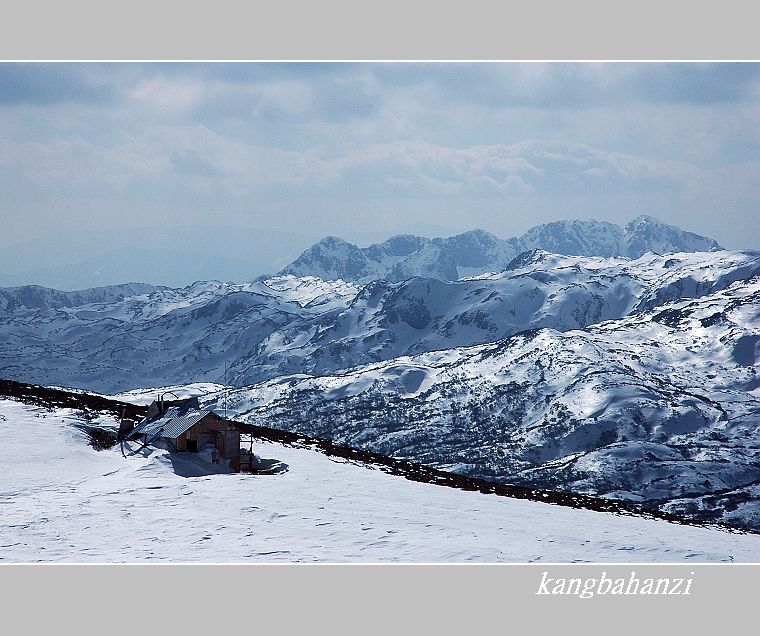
x: 195, y: 157
x: 168, y: 95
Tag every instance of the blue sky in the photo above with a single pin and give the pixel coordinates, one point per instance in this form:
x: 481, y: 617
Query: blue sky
x: 365, y: 150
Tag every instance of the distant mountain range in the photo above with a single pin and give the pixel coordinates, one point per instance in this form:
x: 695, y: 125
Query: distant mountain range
x: 136, y: 335
x: 128, y: 336
x: 477, y: 252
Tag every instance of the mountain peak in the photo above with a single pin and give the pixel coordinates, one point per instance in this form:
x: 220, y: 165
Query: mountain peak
x: 476, y: 233
x: 644, y: 219
x: 334, y: 241
x: 529, y: 257
x: 648, y: 234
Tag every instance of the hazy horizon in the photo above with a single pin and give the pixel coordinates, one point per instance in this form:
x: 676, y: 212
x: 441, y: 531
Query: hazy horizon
x: 283, y: 154
x: 120, y: 256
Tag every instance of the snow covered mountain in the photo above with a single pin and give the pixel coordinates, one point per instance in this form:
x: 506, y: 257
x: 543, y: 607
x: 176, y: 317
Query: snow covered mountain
x: 98, y: 506
x: 36, y: 297
x: 386, y: 320
x: 599, y: 238
x: 288, y: 325
x: 659, y: 406
x: 478, y: 252
x: 645, y: 234
x: 153, y: 337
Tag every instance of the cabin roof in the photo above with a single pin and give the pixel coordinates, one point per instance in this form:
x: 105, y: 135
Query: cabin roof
x: 172, y: 423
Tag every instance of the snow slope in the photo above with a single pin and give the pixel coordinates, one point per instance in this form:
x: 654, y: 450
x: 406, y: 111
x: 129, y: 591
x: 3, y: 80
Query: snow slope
x: 64, y: 502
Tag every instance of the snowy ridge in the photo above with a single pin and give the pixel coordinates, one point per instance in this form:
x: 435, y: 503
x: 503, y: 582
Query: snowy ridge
x: 36, y: 297
x: 312, y: 292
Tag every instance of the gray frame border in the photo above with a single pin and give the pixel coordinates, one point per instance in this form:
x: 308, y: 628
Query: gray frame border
x: 369, y: 598
x: 391, y: 30
x: 365, y: 599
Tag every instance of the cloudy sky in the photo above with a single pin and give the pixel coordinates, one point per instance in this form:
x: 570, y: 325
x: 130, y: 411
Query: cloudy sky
x: 366, y: 150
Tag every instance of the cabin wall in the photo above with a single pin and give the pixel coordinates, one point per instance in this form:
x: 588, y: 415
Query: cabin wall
x: 214, y: 430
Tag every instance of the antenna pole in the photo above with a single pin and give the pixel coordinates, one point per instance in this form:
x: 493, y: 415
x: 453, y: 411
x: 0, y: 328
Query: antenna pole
x: 225, y: 389
x: 121, y: 432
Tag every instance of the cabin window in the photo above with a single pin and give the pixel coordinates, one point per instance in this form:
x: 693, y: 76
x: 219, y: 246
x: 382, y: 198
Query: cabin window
x: 192, y: 445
